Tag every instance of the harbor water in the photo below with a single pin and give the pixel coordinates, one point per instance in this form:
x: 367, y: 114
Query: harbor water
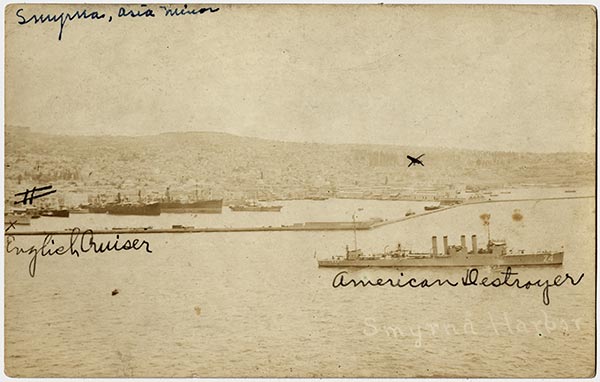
x: 256, y: 304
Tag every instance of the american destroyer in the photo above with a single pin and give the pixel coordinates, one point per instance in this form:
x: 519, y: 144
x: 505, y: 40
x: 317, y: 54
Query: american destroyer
x: 494, y: 254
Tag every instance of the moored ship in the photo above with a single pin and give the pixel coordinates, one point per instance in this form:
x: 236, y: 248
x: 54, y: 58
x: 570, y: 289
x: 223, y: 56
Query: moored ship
x: 210, y: 206
x: 133, y: 209
x: 200, y: 206
x: 56, y: 213
x: 80, y: 210
x: 495, y: 254
x: 97, y: 209
x: 255, y: 207
x: 16, y: 219
x: 317, y: 198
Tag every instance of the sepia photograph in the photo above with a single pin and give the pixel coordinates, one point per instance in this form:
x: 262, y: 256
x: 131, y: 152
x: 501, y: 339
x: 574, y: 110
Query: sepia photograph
x: 301, y: 191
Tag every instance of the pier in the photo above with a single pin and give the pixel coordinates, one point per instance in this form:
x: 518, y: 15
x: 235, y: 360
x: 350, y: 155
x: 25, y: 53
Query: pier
x: 297, y: 227
x: 445, y: 208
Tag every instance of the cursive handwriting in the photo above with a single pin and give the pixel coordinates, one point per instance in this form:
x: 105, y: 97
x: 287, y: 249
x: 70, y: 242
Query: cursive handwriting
x: 185, y: 11
x: 62, y: 18
x: 144, y: 12
x: 132, y: 11
x: 471, y: 278
x: 79, y: 243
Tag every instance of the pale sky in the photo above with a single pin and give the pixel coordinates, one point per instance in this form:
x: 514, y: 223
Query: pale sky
x: 481, y: 77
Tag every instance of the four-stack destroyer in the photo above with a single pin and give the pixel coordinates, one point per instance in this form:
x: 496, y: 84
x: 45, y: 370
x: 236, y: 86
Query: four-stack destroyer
x: 495, y: 254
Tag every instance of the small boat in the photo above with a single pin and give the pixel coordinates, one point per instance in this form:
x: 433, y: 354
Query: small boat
x: 181, y: 226
x: 80, y: 210
x: 432, y: 208
x: 62, y: 213
x: 255, y: 207
x: 16, y: 219
x: 570, y: 191
x: 33, y: 212
x: 409, y: 213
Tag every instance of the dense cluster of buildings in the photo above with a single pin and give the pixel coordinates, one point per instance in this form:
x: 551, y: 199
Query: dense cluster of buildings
x: 213, y: 165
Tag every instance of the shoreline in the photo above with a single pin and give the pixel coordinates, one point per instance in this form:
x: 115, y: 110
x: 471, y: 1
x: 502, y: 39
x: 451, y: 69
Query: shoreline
x: 333, y: 226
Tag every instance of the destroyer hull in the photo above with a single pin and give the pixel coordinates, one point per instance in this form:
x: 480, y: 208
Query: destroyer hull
x: 535, y: 259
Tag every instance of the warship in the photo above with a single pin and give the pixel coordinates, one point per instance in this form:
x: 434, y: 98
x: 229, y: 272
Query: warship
x: 494, y: 254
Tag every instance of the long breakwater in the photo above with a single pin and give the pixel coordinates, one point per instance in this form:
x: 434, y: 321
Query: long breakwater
x: 325, y: 226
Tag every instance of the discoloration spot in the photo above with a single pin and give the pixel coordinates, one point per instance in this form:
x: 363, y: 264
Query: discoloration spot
x: 517, y: 216
x: 198, y: 310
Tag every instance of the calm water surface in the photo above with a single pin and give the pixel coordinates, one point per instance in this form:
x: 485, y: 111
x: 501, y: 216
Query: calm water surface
x: 256, y: 304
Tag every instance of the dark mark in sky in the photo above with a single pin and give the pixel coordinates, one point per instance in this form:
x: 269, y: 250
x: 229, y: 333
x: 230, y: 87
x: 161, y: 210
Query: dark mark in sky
x: 132, y: 11
x: 29, y: 195
x: 416, y: 160
x: 471, y: 278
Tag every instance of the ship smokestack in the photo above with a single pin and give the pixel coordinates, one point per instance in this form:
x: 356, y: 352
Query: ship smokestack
x: 445, y: 245
x: 474, y: 241
x: 434, y: 246
x: 463, y: 241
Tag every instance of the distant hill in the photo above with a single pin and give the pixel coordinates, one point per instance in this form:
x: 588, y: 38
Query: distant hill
x: 235, y: 166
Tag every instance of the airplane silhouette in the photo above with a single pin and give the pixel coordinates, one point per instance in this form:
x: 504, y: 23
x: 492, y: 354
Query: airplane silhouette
x: 415, y: 161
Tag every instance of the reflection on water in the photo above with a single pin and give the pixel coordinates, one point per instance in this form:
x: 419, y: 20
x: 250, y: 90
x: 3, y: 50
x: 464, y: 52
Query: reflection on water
x: 256, y: 304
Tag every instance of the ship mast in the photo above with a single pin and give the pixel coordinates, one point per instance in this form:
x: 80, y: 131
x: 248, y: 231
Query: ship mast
x: 354, y: 225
